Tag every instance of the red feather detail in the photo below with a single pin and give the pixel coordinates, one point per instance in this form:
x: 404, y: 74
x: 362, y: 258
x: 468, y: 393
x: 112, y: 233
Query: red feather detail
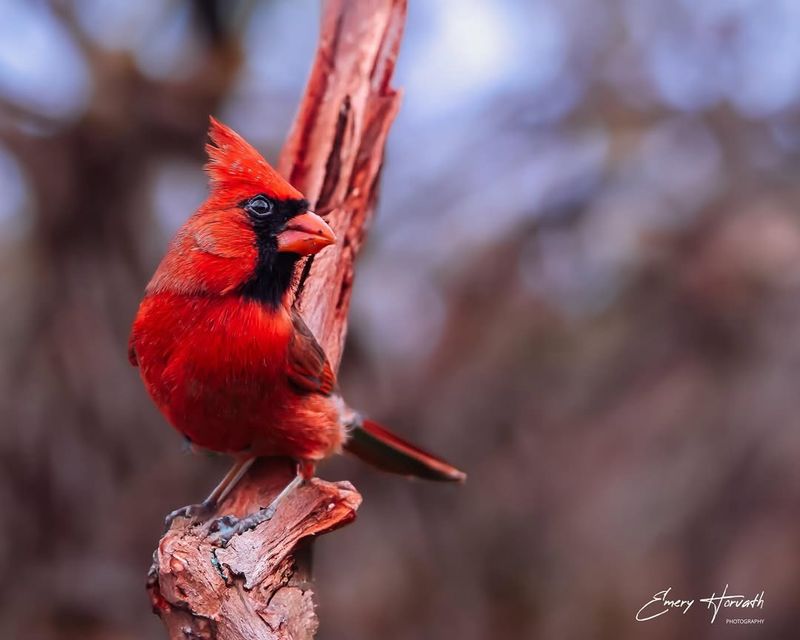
x: 216, y: 366
x: 213, y: 253
x: 309, y: 369
x: 237, y: 170
x: 380, y: 447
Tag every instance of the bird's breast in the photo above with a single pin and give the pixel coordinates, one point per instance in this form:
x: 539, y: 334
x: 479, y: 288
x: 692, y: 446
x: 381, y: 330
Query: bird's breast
x: 214, y: 365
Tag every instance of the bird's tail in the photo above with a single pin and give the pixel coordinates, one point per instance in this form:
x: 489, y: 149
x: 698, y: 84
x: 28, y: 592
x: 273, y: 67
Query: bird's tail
x: 381, y: 448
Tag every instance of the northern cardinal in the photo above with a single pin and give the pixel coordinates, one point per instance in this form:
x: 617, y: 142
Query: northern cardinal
x: 220, y: 349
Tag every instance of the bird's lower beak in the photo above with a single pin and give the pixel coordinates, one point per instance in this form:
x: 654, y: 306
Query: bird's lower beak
x: 305, y: 235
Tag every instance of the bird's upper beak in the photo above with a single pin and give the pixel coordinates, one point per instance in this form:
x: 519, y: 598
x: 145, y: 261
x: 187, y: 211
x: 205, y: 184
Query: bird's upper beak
x: 305, y: 235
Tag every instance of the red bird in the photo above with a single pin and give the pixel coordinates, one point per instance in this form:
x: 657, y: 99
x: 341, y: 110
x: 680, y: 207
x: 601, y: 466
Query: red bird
x: 220, y: 349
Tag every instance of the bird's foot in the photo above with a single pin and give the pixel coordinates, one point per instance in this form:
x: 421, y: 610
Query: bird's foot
x: 194, y: 512
x: 224, y: 529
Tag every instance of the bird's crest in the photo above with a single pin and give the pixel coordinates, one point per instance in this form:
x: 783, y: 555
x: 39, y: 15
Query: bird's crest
x: 235, y: 165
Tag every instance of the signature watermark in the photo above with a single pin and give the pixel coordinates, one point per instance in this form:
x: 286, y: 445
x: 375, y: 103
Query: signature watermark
x: 663, y: 602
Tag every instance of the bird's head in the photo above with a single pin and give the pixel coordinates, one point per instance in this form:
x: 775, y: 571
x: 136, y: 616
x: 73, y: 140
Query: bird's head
x: 248, y: 235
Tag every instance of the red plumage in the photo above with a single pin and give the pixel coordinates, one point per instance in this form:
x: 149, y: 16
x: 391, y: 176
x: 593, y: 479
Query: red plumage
x: 225, y: 358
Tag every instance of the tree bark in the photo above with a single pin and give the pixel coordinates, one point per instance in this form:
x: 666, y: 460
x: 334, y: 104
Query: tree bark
x: 257, y: 586
x: 335, y: 149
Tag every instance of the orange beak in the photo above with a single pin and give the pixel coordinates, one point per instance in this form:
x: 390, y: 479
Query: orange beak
x: 305, y: 235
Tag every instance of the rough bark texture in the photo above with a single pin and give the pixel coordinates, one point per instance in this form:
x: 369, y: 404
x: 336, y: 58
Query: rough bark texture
x: 335, y: 149
x: 252, y: 588
x: 257, y: 586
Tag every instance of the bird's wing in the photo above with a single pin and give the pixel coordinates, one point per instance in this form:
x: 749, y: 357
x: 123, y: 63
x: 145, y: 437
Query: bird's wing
x: 309, y: 369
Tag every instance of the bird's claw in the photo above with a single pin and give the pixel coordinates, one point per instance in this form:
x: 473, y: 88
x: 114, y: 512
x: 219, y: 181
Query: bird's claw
x: 194, y: 512
x: 222, y: 524
x: 225, y: 528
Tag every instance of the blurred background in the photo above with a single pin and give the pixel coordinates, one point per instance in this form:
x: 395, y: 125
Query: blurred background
x: 583, y: 286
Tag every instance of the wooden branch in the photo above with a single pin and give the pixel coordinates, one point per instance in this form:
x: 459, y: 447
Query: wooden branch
x: 249, y: 589
x: 335, y: 149
x: 256, y: 587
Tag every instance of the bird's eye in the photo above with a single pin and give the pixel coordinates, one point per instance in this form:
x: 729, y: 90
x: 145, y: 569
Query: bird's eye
x: 259, y: 206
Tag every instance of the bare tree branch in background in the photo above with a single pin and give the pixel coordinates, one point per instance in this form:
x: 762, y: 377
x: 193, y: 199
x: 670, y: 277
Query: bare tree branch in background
x: 253, y: 588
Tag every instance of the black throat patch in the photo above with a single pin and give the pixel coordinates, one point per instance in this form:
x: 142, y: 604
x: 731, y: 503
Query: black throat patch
x: 274, y: 271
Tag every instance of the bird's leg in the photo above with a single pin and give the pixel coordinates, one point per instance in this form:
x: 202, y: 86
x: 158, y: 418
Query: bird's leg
x: 207, y: 506
x: 226, y: 528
